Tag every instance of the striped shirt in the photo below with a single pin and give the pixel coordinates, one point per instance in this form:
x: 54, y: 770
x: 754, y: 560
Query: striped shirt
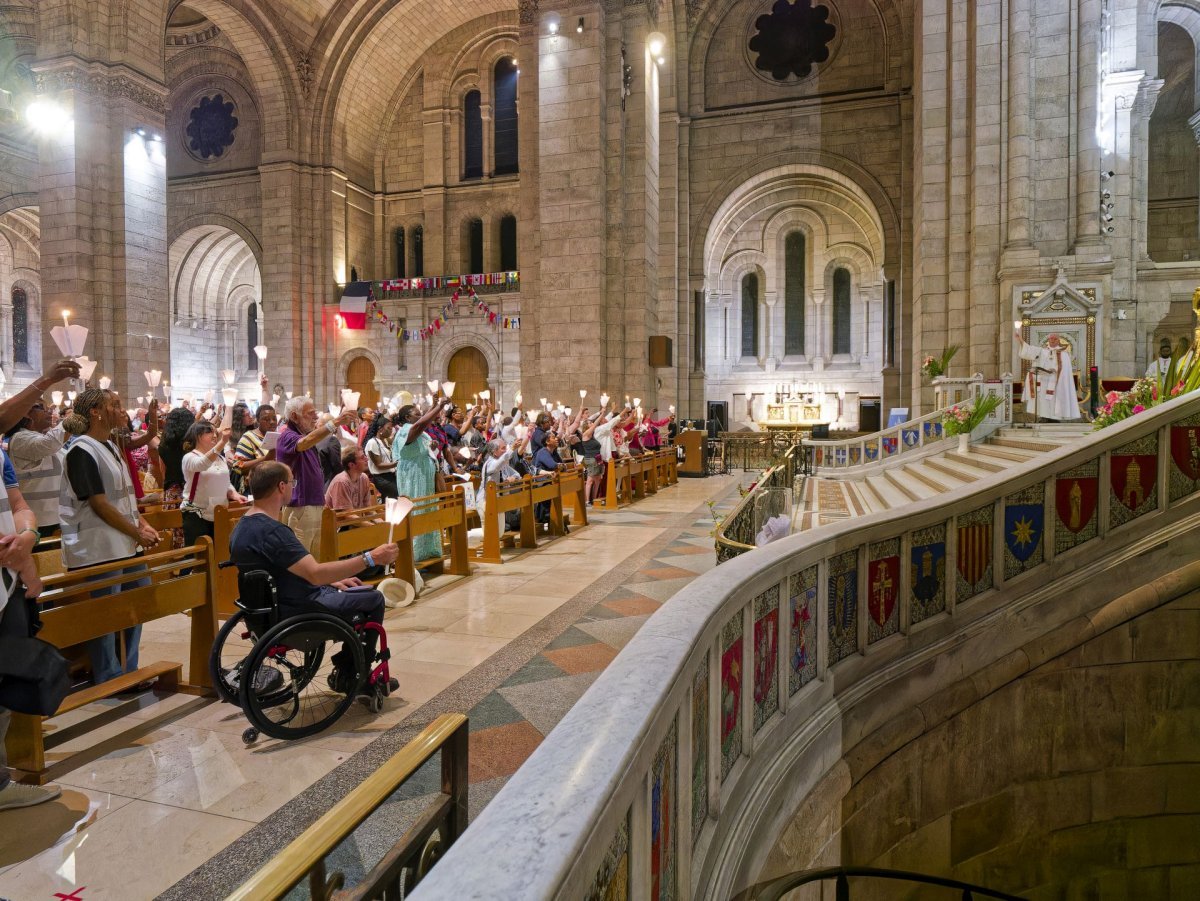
x: 250, y: 447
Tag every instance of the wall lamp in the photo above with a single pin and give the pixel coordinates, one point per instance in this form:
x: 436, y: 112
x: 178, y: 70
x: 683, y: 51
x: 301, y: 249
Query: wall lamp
x: 552, y: 25
x: 142, y: 132
x: 656, y: 43
x: 579, y: 27
x: 47, y: 116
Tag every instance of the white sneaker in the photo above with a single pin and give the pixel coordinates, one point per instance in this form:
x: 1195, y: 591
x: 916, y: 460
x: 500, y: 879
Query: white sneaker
x: 17, y: 794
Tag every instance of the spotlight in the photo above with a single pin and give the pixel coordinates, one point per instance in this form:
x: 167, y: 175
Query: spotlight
x: 579, y: 27
x: 1105, y: 195
x: 656, y: 42
x: 662, y: 60
x: 552, y: 25
x: 140, y: 132
x: 157, y: 138
x: 47, y: 116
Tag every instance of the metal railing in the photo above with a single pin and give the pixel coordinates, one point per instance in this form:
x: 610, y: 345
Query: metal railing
x: 908, y: 437
x: 728, y: 700
x: 410, y: 858
x: 735, y: 534
x: 841, y: 876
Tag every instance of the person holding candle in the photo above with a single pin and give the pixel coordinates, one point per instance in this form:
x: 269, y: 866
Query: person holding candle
x: 297, y: 449
x: 206, y: 480
x: 13, y: 410
x: 250, y: 451
x: 100, y: 520
x: 416, y: 470
x: 379, y: 457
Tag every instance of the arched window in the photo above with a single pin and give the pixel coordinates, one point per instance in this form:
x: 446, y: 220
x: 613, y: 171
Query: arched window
x: 251, y: 332
x: 472, y: 136
x: 750, y: 315
x: 475, y: 246
x: 20, y: 327
x: 508, y: 243
x: 505, y: 119
x: 841, y: 311
x: 400, y: 260
x: 793, y: 295
x: 418, y: 251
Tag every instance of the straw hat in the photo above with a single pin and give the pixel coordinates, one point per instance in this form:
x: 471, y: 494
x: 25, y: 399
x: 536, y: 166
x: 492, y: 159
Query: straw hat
x: 397, y: 593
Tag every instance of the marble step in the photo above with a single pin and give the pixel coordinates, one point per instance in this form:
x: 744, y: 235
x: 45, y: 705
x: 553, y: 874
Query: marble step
x: 974, y: 459
x: 964, y: 473
x: 889, y: 496
x: 1012, y: 455
x: 938, y: 480
x: 912, y: 487
x: 1039, y: 444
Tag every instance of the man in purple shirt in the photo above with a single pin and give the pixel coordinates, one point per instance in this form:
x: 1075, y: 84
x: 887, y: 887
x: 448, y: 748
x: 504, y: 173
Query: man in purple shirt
x: 297, y: 449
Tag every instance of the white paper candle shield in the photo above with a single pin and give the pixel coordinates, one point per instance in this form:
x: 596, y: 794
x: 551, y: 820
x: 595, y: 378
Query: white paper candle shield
x: 230, y: 396
x: 71, y: 395
x: 433, y: 386
x: 637, y: 402
x: 260, y: 351
x: 671, y: 409
x: 56, y: 398
x: 350, y: 400
x: 335, y: 411
x: 603, y: 400
x: 395, y: 509
x: 105, y: 383
x: 208, y: 396
x: 485, y: 395
x: 153, y: 377
x: 70, y: 339
x: 228, y: 376
x: 86, y: 368
x: 517, y: 399
x: 448, y: 388
x: 582, y: 393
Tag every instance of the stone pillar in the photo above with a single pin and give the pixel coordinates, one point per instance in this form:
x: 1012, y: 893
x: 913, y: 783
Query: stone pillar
x: 284, y: 327
x: 569, y: 294
x: 1020, y: 143
x: 1087, y: 180
x: 102, y: 202
x: 433, y: 200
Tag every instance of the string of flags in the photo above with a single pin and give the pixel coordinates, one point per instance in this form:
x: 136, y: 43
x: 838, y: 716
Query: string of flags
x: 438, y: 282
x: 428, y: 331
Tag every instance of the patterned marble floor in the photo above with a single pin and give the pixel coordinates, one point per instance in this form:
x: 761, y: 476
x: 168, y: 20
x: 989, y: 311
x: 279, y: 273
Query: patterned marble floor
x: 181, y: 800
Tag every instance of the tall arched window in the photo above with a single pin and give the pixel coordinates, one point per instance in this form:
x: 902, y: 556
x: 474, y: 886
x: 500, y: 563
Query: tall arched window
x: 793, y: 295
x: 841, y: 311
x: 750, y: 315
x: 418, y: 251
x: 251, y: 332
x: 400, y: 260
x: 508, y: 243
x: 505, y: 119
x: 475, y: 245
x: 472, y: 136
x: 20, y: 328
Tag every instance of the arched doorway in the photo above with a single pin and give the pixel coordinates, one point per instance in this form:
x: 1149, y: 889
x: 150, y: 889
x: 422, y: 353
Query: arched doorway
x: 360, y: 377
x: 468, y: 369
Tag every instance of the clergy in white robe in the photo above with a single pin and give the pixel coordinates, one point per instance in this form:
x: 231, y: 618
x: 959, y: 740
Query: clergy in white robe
x: 1054, y: 375
x: 1158, y: 367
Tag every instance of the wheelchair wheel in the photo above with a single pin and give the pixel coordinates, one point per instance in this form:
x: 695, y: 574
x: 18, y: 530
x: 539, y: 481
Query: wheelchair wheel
x: 228, y: 657
x: 286, y: 687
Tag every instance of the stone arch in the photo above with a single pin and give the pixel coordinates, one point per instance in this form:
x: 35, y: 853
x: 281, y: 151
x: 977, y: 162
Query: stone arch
x: 839, y: 175
x: 806, y: 220
x: 30, y: 284
x: 481, y: 341
x: 17, y: 201
x: 350, y: 354
x: 218, y: 220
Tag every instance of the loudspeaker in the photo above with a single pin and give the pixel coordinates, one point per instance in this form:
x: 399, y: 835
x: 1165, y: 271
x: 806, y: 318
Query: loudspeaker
x: 660, y: 352
x: 718, y: 411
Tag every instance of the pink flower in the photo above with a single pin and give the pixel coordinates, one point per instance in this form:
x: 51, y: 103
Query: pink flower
x: 1138, y: 408
x: 1112, y: 397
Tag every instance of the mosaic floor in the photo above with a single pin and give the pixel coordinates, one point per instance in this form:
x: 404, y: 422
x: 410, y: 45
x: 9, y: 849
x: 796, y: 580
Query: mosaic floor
x: 181, y: 801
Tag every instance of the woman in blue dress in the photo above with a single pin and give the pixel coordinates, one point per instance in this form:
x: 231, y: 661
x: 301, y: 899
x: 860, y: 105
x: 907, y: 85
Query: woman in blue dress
x: 416, y: 468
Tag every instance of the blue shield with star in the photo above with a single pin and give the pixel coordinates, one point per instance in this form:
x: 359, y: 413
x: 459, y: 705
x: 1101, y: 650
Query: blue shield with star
x: 1023, y: 529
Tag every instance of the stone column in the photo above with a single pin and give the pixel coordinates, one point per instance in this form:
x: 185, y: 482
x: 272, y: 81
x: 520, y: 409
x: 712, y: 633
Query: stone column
x: 1020, y: 143
x: 433, y: 199
x: 814, y: 338
x: 102, y: 202
x: 1087, y: 180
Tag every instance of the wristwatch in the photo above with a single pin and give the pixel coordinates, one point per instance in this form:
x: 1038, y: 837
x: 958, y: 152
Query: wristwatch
x: 368, y: 559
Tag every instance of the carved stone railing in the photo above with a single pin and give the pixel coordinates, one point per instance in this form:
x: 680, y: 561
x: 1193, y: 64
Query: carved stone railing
x: 683, y: 762
x: 917, y: 437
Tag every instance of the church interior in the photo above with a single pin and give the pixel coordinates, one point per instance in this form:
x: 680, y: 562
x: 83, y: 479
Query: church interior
x: 779, y: 420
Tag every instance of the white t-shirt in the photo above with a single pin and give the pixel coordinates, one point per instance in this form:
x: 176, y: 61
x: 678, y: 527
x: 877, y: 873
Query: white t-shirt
x: 383, y: 451
x: 212, y: 486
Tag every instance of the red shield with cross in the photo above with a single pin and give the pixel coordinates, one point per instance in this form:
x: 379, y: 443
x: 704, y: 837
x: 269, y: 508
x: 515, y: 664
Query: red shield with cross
x: 883, y: 587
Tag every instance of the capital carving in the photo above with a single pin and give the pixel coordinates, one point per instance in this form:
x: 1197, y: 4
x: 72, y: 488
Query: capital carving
x: 104, y: 82
x: 303, y: 62
x: 694, y: 8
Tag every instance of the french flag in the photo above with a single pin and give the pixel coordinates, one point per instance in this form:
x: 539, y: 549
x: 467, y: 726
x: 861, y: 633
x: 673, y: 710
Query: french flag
x: 354, y: 305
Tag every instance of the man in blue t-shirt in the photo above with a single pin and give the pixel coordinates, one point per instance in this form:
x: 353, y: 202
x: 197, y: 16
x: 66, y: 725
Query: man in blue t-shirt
x: 261, y: 541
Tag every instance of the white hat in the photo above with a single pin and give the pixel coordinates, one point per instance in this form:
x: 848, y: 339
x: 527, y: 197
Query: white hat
x: 397, y: 592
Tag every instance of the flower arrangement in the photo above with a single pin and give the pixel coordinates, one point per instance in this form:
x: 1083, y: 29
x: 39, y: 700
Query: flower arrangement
x: 932, y: 367
x: 962, y: 419
x: 1149, y: 392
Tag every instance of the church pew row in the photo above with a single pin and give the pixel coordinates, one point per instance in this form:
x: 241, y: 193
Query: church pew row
x: 182, y: 581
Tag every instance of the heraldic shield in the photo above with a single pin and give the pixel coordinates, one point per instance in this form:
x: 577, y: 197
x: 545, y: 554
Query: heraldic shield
x: 1133, y: 478
x: 883, y: 580
x: 1185, y: 450
x: 974, y: 551
x: 1023, y: 524
x: 1075, y: 502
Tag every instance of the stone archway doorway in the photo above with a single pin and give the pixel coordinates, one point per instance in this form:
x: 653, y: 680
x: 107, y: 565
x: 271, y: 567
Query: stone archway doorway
x: 468, y: 369
x: 360, y: 377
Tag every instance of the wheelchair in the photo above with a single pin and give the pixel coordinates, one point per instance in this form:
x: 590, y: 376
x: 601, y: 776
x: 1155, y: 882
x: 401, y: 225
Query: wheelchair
x: 283, y: 666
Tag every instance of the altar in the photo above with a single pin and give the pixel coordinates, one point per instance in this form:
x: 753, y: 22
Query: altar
x: 792, y: 413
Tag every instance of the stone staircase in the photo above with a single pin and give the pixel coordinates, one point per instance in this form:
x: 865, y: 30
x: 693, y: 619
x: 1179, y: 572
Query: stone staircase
x: 832, y: 499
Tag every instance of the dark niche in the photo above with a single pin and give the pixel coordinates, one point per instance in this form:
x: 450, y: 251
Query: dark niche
x: 791, y: 38
x: 211, y: 125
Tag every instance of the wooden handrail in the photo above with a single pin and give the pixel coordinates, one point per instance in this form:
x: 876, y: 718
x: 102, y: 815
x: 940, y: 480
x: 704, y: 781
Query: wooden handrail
x: 305, y: 856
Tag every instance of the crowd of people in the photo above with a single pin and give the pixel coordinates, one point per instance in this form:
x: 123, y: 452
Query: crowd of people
x: 79, y: 471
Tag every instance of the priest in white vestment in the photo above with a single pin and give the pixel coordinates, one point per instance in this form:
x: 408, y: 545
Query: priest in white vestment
x: 1158, y: 368
x: 1055, y: 378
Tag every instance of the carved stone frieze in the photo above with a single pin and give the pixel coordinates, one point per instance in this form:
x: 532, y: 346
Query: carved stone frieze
x: 304, y: 65
x: 111, y: 84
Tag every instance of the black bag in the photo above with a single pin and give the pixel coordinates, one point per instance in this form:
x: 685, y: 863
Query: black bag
x: 33, y: 676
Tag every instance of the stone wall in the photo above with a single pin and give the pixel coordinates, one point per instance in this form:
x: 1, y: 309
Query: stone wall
x: 1079, y: 779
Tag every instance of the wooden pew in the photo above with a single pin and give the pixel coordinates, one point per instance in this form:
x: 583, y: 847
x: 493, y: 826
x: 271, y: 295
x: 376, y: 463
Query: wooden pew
x: 501, y: 498
x: 76, y: 617
x: 224, y: 519
x: 617, y: 490
x: 572, y: 485
x: 345, y: 533
x: 544, y: 488
x: 445, y: 512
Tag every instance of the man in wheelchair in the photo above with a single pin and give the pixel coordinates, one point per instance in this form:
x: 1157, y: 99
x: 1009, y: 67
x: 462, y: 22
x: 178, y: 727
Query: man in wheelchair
x: 260, y: 541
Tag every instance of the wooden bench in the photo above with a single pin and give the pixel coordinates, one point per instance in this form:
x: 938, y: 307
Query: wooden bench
x: 617, y: 481
x: 442, y: 513
x: 544, y: 489
x: 77, y: 617
x: 503, y: 498
x: 572, y: 485
x: 224, y: 519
